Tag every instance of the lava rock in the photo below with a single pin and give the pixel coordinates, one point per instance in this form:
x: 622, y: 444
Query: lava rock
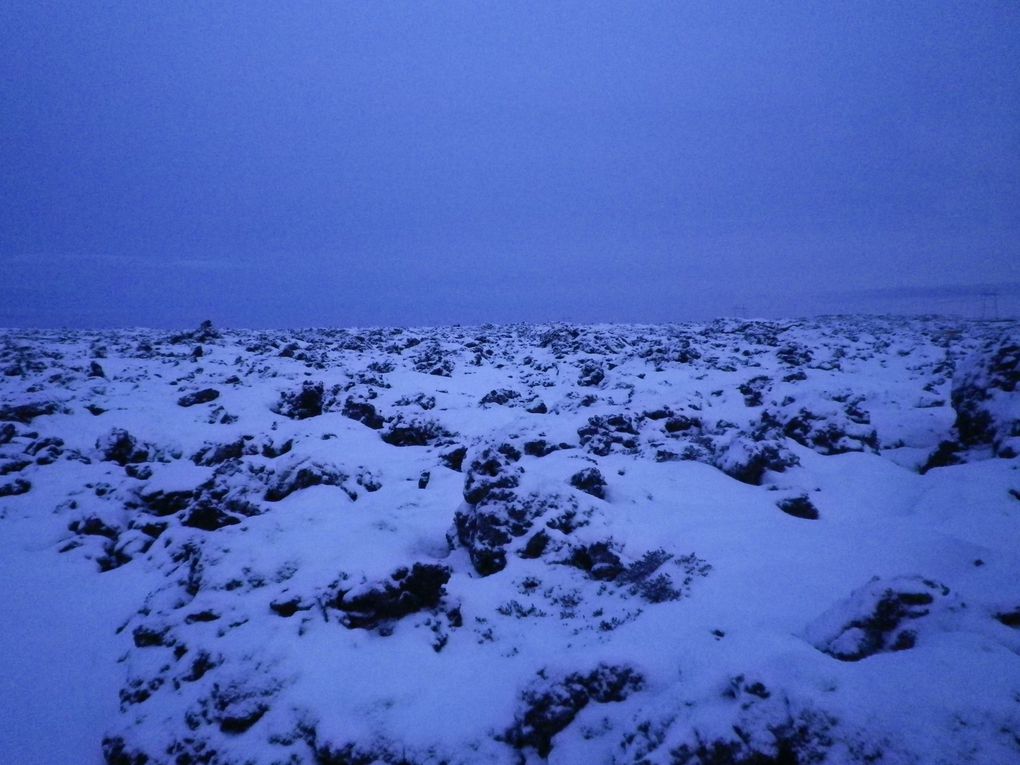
x: 93, y: 526
x: 300, y: 405
x: 492, y: 470
x: 875, y: 617
x: 454, y: 459
x: 984, y: 398
x: 407, y: 591
x: 208, y: 517
x: 754, y: 390
x: 167, y: 502
x: 591, y: 374
x: 499, y: 397
x: 550, y: 705
x: 304, y: 475
x: 602, y: 433
x: 945, y: 455
x: 363, y: 412
x: 590, y: 481
x: 121, y: 447
x: 15, y: 488
x: 216, y: 454
x: 7, y: 433
x: 799, y: 507
x: 682, y: 424
x: 25, y: 413
x: 598, y: 560
x: 416, y: 432
x: 203, y: 396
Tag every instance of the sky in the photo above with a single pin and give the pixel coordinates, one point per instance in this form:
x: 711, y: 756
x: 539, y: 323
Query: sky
x: 273, y: 164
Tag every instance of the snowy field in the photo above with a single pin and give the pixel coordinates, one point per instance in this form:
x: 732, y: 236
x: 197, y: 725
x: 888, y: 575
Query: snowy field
x: 735, y: 542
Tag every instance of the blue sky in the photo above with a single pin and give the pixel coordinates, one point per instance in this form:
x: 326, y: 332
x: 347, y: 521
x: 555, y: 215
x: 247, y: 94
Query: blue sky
x: 269, y: 164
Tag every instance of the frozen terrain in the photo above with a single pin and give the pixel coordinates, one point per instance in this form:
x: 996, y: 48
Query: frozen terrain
x: 737, y: 542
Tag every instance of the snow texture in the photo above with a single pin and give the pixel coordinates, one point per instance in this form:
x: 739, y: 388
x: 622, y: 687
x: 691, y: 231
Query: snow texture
x: 735, y: 542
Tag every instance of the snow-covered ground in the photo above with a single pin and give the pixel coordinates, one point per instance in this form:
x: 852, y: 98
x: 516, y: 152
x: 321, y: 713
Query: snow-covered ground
x: 735, y: 542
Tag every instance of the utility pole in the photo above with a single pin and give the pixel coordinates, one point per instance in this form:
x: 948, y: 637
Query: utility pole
x: 989, y: 297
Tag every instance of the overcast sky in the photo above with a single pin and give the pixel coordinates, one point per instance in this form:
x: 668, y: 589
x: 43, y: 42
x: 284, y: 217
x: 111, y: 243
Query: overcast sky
x: 274, y: 164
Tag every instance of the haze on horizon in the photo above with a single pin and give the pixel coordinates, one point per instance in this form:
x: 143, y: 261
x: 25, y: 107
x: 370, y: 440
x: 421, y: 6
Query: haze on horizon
x: 430, y: 163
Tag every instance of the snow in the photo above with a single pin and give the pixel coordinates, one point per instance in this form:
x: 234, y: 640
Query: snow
x: 256, y: 587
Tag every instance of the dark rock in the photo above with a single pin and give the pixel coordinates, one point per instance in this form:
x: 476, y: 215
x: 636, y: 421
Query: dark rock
x: 682, y: 424
x: 46, y: 450
x: 238, y: 719
x: 536, y: 406
x: 495, y: 514
x: 25, y: 413
x: 754, y: 390
x: 794, y: 355
x: 1010, y: 618
x: 272, y: 451
x: 799, y: 507
x: 433, y: 361
x: 551, y: 705
x: 95, y: 370
x: 598, y: 560
x: 15, y: 488
x: 826, y: 436
x: 423, y: 479
x: 7, y: 433
x: 590, y: 481
x: 602, y: 433
x: 493, y: 469
x: 116, y: 752
x: 945, y: 455
x: 790, y: 740
x: 308, y: 402
x: 539, y: 448
x: 401, y: 432
x: 304, y: 475
x: 407, y: 591
x: 167, y: 502
x: 92, y: 526
x: 139, y: 472
x: 454, y: 459
x: 94, y: 410
x: 15, y: 466
x: 287, y: 608
x: 363, y: 412
x: 217, y: 454
x: 207, y: 517
x: 201, y: 617
x: 149, y: 637
x: 206, y: 333
x: 486, y: 529
x: 121, y: 447
x: 591, y: 374
x: 425, y: 402
x: 536, y: 546
x: 888, y: 606
x: 749, y: 461
x: 991, y: 375
x: 203, y: 396
x: 201, y: 664
x: 500, y: 397
x: 657, y: 414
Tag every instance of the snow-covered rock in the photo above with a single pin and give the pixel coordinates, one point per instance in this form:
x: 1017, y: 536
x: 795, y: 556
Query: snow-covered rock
x: 732, y: 542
